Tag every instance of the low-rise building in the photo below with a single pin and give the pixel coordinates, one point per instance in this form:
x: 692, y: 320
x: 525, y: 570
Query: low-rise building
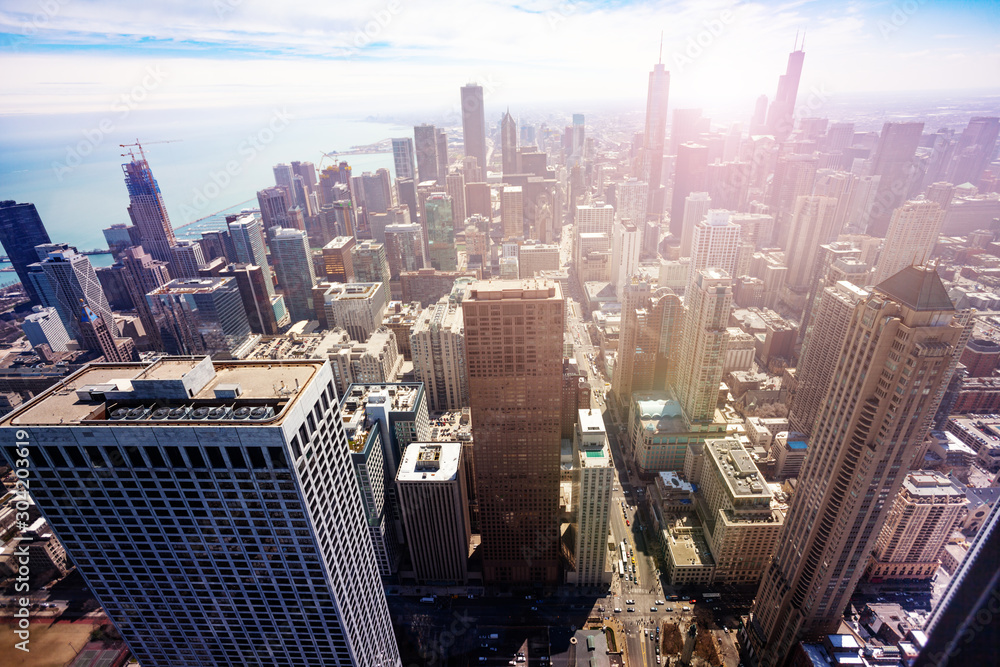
x: 659, y: 432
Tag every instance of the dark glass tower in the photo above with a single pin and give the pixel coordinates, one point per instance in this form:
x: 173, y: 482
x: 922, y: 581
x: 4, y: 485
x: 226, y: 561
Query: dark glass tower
x: 20, y: 231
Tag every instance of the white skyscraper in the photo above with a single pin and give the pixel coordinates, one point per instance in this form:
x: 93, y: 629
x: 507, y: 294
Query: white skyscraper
x: 596, y: 219
x: 186, y: 259
x: 403, y: 158
x: 43, y: 327
x: 593, y: 481
x: 437, y: 345
x: 696, y: 207
x: 632, y: 197
x: 913, y: 231
x: 241, y: 539
x: 703, y: 348
x: 625, y: 248
x: 714, y: 244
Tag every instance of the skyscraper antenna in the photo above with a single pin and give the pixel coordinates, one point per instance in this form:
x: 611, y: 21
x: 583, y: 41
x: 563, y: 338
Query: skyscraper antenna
x: 795, y: 47
x: 660, y: 61
x: 802, y: 46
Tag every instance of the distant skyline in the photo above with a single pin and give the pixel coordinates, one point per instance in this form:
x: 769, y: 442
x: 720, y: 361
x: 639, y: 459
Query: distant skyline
x: 368, y: 57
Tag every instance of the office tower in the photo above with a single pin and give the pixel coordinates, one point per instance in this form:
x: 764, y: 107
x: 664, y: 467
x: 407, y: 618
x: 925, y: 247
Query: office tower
x: 376, y: 191
x: 715, y: 243
x: 426, y: 147
x: 249, y: 421
x: 441, y: 252
x: 357, y: 308
x: 403, y: 158
x: 21, y: 229
x: 454, y: 186
x: 294, y: 269
x: 97, y: 336
x: 654, y: 138
x: 307, y: 172
x: 442, y: 155
x: 650, y: 340
x: 956, y: 633
x: 686, y: 126
x: 595, y: 219
x: 338, y: 260
x: 63, y: 280
x: 734, y: 503
x: 274, y: 202
x: 474, y: 125
x: 251, y: 284
x: 696, y: 207
x: 508, y: 145
x: 203, y: 316
x: 895, y: 165
x: 114, y: 283
x: 689, y: 176
x: 624, y: 254
x: 533, y: 257
x: 632, y: 201
x: 218, y: 243
x: 283, y: 176
x: 434, y: 501
x: 373, y: 361
x: 703, y: 348
x: 812, y: 224
x: 147, y: 210
x: 512, y: 211
x: 780, y: 115
x: 940, y: 192
x: 898, y: 355
x: 118, y: 237
x: 370, y: 263
x: 478, y: 200
x: 974, y: 150
x: 515, y: 377
x: 406, y: 193
x: 911, y: 237
x: 186, y: 259
x: 471, y: 170
x: 593, y: 481
x: 404, y: 248
x: 794, y: 177
x: 43, y: 327
x: 248, y: 244
x: 437, y: 346
x: 928, y: 507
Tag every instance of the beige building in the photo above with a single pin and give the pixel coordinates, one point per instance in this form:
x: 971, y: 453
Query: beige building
x: 374, y: 361
x: 923, y: 515
x: 913, y: 232
x: 593, y: 481
x: 703, y: 349
x: 356, y: 307
x: 740, y: 350
x: 437, y: 344
x: 535, y: 257
x: 512, y: 211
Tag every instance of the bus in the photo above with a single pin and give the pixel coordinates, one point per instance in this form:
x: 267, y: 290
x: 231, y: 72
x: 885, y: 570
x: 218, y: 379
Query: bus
x: 621, y: 569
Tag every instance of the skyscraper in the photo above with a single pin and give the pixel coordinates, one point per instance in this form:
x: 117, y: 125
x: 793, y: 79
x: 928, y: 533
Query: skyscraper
x: 248, y: 242
x: 973, y: 151
x: 253, y: 293
x: 370, y: 263
x: 703, y: 349
x: 911, y: 237
x: 593, y: 481
x: 43, y: 327
x: 512, y: 211
x: 901, y: 347
x: 21, y: 229
x: 654, y: 139
x: 780, y: 116
x: 338, y: 261
x: 625, y: 253
x: 404, y: 248
x: 508, y: 145
x: 402, y: 158
x: 274, y: 203
x: 715, y: 244
x: 201, y: 316
x: 437, y: 346
x: 95, y: 335
x: 513, y: 334
x: 474, y: 125
x: 454, y: 185
x: 441, y: 253
x: 794, y: 176
x: 202, y: 430
x: 147, y: 210
x: 187, y: 259
x: 689, y: 176
x: 426, y: 147
x: 696, y: 207
x: 294, y: 269
x: 812, y: 224
x: 64, y: 279
x: 894, y: 164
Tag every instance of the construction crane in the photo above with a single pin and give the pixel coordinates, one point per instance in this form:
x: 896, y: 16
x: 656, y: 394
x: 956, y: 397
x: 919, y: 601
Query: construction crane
x: 141, y: 153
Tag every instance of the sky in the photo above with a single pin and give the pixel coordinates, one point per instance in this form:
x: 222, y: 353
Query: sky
x: 385, y: 57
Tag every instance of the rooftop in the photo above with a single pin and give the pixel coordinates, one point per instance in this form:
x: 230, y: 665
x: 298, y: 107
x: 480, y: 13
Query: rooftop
x: 918, y: 287
x: 430, y: 462
x: 737, y: 468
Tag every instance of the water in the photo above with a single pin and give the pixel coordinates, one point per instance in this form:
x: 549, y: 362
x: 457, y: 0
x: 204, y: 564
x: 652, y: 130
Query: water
x: 71, y: 170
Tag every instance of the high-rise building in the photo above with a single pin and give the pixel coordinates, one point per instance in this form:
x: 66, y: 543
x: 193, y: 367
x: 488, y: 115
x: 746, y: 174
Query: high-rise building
x: 199, y: 428
x: 812, y: 225
x: 373, y: 361
x: 253, y: 292
x: 689, y: 176
x: 512, y: 211
x: 376, y: 191
x: 147, y: 210
x: 533, y: 257
x: 696, y: 207
x: 508, y: 145
x: 187, y: 259
x: 794, y: 177
x: 649, y: 340
x: 911, y: 237
x: 63, y: 280
x: 920, y: 522
x: 474, y: 125
x: 403, y: 158
x: 338, y: 260
x: 454, y: 185
x: 247, y: 236
x: 43, y: 327
x: 593, y: 481
x: 894, y: 164
x: 437, y: 346
x: 901, y: 347
x: 821, y: 351
x: 371, y: 265
x: 274, y: 202
x: 203, y: 316
x: 441, y: 252
x: 595, y: 219
x: 654, y: 138
x: 715, y: 243
x: 404, y: 248
x: 780, y: 115
x: 478, y: 199
x: 442, y: 155
x: 703, y: 348
x: 97, y: 336
x: 21, y: 229
x: 974, y: 150
x: 625, y: 248
x: 514, y: 347
x: 426, y: 147
x: 294, y: 269
x: 434, y: 500
x: 357, y: 308
x: 632, y: 195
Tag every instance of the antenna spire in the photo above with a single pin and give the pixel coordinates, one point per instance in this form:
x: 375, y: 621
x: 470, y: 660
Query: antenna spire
x: 660, y: 60
x: 795, y: 46
x: 803, y: 45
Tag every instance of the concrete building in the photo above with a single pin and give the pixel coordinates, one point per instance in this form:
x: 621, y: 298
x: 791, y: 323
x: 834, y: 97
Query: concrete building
x: 593, y: 481
x: 186, y: 259
x: 535, y: 257
x: 338, y: 260
x: 625, y: 249
x: 703, y: 350
x: 356, y: 307
x: 371, y: 265
x: 437, y: 344
x: 202, y: 316
x: 400, y: 318
x: 294, y: 269
x: 434, y: 503
x: 404, y: 248
x: 43, y: 327
x: 376, y: 360
x: 512, y: 211
x: 911, y: 237
x: 63, y: 279
x: 920, y: 522
x: 515, y: 377
x: 659, y: 432
x: 901, y: 348
x: 715, y: 245
x: 427, y: 285
x: 213, y: 424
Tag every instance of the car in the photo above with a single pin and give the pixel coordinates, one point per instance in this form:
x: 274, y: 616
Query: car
x: 534, y: 609
x: 660, y: 602
x: 618, y: 610
x: 652, y: 608
x: 629, y: 601
x: 687, y: 608
x: 631, y: 608
x: 627, y: 523
x: 668, y: 609
x: 657, y: 659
